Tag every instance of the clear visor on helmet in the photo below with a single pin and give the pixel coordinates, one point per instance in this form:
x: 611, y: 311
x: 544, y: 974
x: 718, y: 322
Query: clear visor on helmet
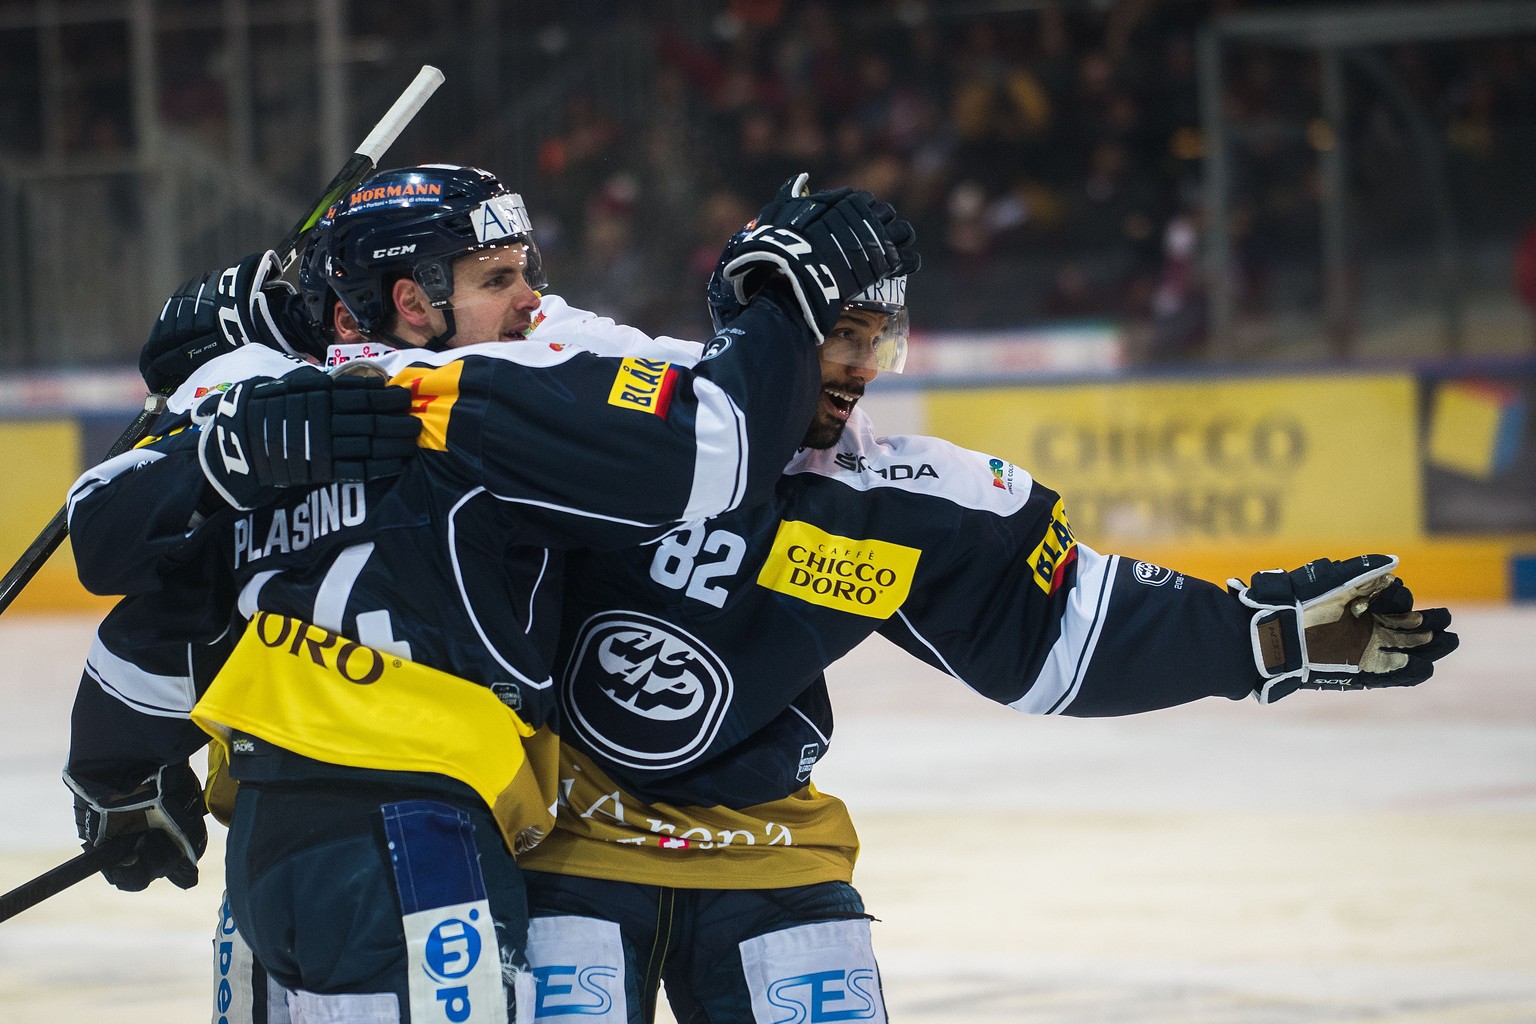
x: 872, y: 332
x: 486, y: 274
x: 519, y: 255
x: 504, y: 232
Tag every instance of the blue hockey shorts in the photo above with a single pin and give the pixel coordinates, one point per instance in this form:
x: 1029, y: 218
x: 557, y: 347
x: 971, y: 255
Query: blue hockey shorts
x: 601, y: 950
x: 408, y: 910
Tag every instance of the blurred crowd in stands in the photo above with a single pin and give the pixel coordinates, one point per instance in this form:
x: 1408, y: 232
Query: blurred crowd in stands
x: 1049, y: 153
x: 1051, y: 158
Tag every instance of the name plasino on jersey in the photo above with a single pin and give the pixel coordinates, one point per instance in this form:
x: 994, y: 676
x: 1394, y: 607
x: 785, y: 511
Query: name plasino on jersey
x: 283, y: 530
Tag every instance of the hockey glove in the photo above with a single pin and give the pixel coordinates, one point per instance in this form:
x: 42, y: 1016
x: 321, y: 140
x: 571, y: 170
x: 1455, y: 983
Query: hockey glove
x: 303, y: 429
x: 828, y: 246
x: 1340, y: 626
x: 165, y: 810
x: 217, y: 312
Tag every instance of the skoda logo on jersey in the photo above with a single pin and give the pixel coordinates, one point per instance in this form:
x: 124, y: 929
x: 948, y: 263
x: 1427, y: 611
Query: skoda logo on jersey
x: 643, y: 692
x: 809, y: 753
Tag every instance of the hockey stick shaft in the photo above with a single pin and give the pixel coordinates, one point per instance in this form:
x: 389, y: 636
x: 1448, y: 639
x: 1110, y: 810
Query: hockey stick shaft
x: 56, y: 880
x: 362, y: 162
x: 358, y: 166
x: 33, y: 558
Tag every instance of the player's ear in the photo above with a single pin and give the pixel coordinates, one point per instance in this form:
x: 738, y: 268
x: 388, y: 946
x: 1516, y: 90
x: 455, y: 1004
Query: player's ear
x: 346, y: 325
x: 411, y: 304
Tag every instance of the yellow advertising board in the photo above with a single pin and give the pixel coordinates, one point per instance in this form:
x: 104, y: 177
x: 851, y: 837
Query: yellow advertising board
x: 1217, y: 477
x: 43, y: 462
x: 1207, y: 463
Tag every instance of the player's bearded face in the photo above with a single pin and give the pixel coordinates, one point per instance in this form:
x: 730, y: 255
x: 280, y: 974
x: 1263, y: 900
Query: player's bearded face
x: 492, y: 300
x: 847, y: 365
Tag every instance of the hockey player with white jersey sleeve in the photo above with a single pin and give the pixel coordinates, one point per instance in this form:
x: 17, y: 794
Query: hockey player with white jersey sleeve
x: 155, y: 652
x: 699, y: 621
x: 543, y: 447
x: 691, y: 846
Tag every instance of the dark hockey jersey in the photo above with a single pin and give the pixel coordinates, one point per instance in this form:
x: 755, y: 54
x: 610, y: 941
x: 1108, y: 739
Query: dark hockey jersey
x: 693, y: 707
x: 526, y: 447
x: 156, y: 652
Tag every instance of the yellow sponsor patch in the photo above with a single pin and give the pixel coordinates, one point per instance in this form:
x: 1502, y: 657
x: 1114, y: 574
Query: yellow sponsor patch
x: 863, y: 577
x: 433, y: 392
x: 330, y: 698
x: 1053, y: 554
x: 643, y: 384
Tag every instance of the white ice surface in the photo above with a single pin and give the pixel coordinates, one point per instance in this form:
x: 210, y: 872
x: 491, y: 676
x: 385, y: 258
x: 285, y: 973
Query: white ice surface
x: 1333, y: 858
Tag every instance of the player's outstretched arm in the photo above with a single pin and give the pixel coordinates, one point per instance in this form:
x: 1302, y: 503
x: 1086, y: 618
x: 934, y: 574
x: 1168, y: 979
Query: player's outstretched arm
x: 1348, y: 625
x: 1046, y: 625
x: 666, y: 443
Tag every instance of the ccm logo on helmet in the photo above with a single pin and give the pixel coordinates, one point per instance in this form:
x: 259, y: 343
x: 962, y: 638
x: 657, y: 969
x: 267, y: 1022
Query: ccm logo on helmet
x: 394, y: 250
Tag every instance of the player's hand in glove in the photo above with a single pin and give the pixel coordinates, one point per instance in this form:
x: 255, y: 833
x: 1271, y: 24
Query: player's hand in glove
x: 1340, y: 626
x: 828, y: 246
x: 165, y: 811
x: 303, y: 429
x: 217, y: 312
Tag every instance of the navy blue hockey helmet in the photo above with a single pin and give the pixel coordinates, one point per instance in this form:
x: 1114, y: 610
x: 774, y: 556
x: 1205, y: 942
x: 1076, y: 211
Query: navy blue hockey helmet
x: 720, y: 294
x: 316, y: 292
x: 412, y: 221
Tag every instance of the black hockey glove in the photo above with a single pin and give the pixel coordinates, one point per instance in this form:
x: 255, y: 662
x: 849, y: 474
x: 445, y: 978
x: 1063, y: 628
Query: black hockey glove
x: 165, y: 810
x: 303, y: 429
x: 828, y: 246
x: 1340, y: 626
x: 217, y: 312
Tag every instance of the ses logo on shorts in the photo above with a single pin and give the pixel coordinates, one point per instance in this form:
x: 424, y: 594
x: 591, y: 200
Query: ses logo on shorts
x: 864, y: 577
x: 825, y: 996
x: 810, y: 973
x: 644, y: 385
x: 574, y: 990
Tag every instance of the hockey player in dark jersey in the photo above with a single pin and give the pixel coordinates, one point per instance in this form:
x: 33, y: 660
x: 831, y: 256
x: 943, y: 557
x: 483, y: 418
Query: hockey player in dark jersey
x: 337, y: 703
x: 694, y: 839
x: 131, y: 709
x: 154, y: 653
x: 691, y: 846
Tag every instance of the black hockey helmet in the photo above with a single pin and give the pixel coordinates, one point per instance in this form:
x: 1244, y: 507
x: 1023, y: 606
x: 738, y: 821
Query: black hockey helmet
x: 412, y: 221
x: 313, y: 287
